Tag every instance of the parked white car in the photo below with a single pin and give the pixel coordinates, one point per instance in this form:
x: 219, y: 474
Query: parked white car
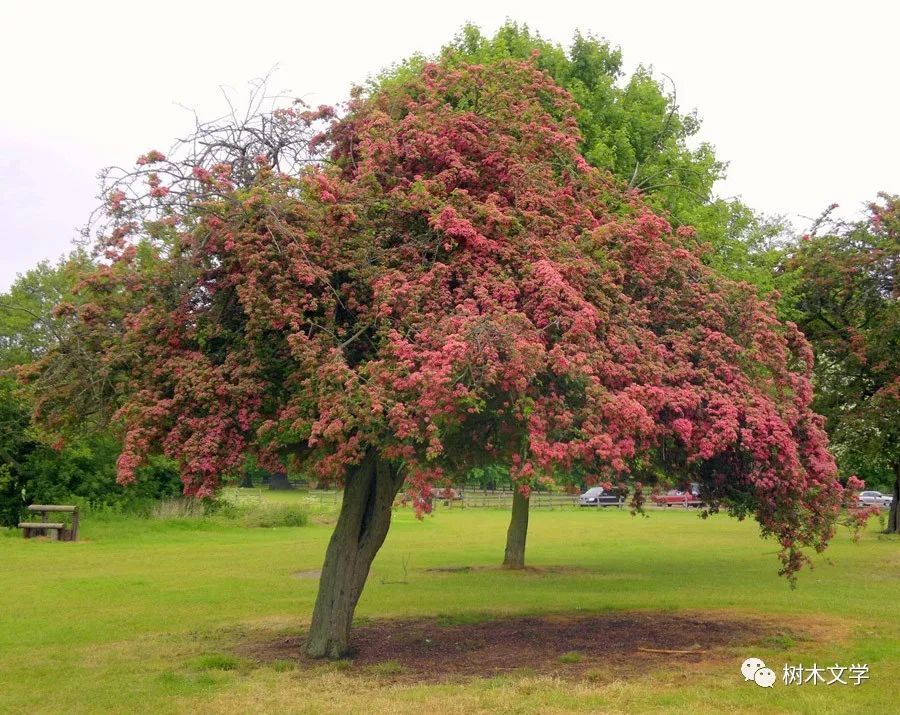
x: 875, y: 499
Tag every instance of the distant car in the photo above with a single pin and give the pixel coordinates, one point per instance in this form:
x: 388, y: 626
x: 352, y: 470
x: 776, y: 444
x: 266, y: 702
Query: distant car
x: 679, y: 497
x: 871, y: 498
x: 598, y: 496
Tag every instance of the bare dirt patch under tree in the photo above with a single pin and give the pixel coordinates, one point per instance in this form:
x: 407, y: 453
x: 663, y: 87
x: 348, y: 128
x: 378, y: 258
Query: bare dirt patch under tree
x: 438, y: 648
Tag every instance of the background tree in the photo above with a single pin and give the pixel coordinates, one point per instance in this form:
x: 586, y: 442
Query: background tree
x: 16, y: 444
x: 38, y: 464
x: 28, y: 326
x: 843, y: 282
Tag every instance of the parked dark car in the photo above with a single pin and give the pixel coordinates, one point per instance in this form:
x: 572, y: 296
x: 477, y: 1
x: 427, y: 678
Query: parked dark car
x: 598, y: 496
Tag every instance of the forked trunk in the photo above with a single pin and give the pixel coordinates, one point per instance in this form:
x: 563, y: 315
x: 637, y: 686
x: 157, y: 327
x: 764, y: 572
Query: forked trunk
x: 360, y: 531
x: 893, y: 525
x: 517, y: 533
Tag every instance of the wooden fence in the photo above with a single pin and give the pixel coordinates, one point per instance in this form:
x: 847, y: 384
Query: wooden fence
x: 471, y: 498
x: 502, y: 499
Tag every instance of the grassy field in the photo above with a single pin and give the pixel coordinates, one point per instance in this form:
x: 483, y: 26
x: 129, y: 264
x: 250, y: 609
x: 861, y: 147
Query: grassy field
x: 146, y: 615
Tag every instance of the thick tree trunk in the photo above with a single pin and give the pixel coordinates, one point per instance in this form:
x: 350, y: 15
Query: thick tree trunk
x: 517, y: 533
x: 893, y: 525
x: 360, y: 531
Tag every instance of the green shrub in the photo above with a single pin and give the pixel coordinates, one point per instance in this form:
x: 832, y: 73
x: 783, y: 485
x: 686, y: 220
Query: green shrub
x: 280, y: 515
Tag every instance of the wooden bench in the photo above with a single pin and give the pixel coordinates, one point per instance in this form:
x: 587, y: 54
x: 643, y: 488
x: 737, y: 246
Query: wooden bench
x: 56, y: 530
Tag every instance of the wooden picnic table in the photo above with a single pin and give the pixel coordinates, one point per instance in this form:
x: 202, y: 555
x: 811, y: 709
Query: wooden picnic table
x: 56, y: 530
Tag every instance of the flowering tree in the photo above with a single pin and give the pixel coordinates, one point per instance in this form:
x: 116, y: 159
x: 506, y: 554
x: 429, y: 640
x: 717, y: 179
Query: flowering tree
x: 455, y: 284
x: 633, y: 128
x: 843, y: 281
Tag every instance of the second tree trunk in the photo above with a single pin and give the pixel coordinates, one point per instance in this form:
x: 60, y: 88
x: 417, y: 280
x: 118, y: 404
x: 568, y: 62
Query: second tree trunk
x: 893, y: 525
x: 517, y: 533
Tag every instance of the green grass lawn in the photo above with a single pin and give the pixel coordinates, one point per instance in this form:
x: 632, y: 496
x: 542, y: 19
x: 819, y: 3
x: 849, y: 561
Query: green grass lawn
x: 143, y: 615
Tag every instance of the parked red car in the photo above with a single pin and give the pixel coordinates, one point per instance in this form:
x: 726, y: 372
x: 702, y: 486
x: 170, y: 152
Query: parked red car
x: 678, y: 497
x: 446, y: 494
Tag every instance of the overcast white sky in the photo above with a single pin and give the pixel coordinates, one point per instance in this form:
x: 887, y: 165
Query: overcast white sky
x: 800, y: 97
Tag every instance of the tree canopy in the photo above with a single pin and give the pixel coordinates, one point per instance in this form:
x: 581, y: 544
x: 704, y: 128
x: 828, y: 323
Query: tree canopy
x: 456, y: 268
x: 451, y: 266
x: 634, y: 127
